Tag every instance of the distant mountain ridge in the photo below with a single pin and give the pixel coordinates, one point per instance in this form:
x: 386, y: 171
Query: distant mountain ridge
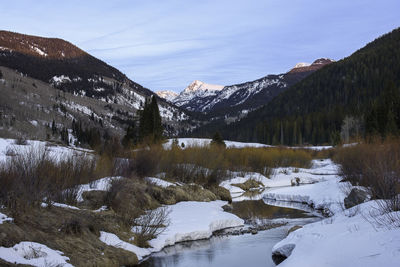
x: 313, y: 110
x: 232, y: 100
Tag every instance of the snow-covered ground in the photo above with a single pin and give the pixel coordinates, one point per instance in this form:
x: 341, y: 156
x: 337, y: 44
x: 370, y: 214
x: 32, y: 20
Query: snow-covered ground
x: 4, y: 218
x: 327, y: 195
x: 35, y: 254
x: 349, y: 238
x: 160, y: 182
x: 189, y: 220
x: 102, y: 184
x: 319, y: 186
x: 191, y: 142
x: 9, y: 148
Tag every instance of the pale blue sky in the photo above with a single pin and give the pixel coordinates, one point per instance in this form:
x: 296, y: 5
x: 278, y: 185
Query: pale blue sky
x: 164, y: 45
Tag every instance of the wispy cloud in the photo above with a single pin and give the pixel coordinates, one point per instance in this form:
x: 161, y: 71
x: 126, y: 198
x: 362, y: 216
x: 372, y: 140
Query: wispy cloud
x: 167, y: 44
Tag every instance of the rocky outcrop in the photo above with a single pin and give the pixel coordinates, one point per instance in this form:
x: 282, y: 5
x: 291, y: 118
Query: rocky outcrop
x: 356, y: 196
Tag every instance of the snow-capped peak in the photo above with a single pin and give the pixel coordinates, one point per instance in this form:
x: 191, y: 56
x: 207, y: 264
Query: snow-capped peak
x: 167, y: 95
x: 317, y: 64
x: 201, y: 86
x: 197, y: 89
x: 301, y: 65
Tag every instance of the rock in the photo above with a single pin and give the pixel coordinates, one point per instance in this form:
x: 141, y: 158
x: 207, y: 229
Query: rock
x: 281, y: 253
x: 254, y: 231
x: 227, y: 207
x: 295, y: 181
x: 356, y: 196
x: 294, y: 228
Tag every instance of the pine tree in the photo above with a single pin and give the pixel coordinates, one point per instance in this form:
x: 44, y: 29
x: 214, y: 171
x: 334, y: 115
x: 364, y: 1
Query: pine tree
x: 218, y: 140
x: 150, y: 127
x: 53, y: 127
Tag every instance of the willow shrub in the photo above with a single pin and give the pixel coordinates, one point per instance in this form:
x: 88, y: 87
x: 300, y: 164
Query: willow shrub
x: 203, y: 163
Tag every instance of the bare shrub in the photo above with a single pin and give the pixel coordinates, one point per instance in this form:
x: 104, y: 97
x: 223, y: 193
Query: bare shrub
x: 146, y: 161
x: 33, y: 176
x: 21, y: 141
x: 376, y: 166
x: 72, y: 227
x: 151, y: 224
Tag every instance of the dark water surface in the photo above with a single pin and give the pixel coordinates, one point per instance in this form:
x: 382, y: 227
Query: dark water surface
x: 242, y: 250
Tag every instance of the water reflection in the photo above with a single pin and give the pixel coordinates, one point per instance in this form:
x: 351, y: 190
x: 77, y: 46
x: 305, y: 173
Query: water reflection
x: 245, y: 250
x: 252, y: 209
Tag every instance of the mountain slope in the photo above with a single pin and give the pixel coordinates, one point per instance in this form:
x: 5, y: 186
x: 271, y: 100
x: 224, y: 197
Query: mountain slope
x: 63, y: 66
x: 167, y: 95
x: 313, y: 110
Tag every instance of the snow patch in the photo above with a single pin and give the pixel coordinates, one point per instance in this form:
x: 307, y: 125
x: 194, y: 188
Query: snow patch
x: 5, y: 218
x: 160, y: 182
x: 102, y: 184
x: 35, y: 254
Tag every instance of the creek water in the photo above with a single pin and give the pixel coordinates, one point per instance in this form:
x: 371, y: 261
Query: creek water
x: 238, y: 250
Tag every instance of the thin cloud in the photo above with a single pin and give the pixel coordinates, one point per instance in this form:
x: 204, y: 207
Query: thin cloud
x: 167, y: 44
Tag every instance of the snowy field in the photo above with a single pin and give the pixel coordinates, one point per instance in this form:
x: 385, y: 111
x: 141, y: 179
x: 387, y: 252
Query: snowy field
x: 9, y: 148
x: 191, y: 142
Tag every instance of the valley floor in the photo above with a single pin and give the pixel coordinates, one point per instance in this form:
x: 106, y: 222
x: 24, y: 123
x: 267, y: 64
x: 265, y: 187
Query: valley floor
x: 348, y: 237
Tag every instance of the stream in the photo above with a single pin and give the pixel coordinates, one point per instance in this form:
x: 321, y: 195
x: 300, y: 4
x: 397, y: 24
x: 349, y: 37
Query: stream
x: 238, y: 250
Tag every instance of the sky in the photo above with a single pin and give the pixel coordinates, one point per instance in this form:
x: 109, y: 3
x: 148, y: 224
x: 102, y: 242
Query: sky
x: 166, y: 44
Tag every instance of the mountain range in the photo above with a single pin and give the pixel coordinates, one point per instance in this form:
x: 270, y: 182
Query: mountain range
x: 218, y: 100
x: 50, y: 82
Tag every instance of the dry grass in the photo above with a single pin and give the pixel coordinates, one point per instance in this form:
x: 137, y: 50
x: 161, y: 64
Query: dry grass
x: 29, y: 178
x: 209, y: 164
x: 375, y: 165
x: 249, y: 184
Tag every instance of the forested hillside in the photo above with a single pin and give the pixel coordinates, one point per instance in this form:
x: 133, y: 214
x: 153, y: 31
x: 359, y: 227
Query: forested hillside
x: 362, y: 89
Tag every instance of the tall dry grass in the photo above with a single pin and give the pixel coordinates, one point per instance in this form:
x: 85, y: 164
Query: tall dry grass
x: 31, y: 177
x: 375, y: 165
x: 211, y: 164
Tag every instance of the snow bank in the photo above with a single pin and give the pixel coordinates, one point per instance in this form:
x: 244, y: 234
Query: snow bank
x: 189, y: 220
x: 33, y: 253
x: 113, y: 240
x: 190, y: 142
x: 195, y: 220
x: 160, y: 182
x: 4, y: 218
x: 102, y: 184
x: 60, y: 205
x: 361, y: 243
x: 326, y: 195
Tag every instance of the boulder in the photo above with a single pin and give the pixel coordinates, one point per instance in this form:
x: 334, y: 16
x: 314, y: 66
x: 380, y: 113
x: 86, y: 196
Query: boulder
x: 227, y: 207
x: 356, y: 196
